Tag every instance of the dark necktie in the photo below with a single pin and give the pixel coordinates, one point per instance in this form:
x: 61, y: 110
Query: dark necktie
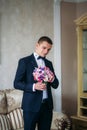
x: 40, y: 57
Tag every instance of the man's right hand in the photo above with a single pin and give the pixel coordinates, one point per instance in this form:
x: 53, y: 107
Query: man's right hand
x: 40, y: 86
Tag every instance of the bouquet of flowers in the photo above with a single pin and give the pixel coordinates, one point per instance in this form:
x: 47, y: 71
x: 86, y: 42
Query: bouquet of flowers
x: 43, y: 74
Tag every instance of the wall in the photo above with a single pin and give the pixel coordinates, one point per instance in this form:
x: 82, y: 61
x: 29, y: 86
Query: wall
x: 69, y: 13
x: 57, y: 55
x: 22, y: 23
x: 81, y: 9
x: 68, y: 57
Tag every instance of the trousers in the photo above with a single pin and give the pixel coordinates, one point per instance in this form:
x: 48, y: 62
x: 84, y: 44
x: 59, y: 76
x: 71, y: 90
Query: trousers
x: 42, y: 119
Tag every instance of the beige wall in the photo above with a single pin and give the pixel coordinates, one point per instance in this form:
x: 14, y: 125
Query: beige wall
x: 81, y: 9
x: 22, y: 22
x: 69, y: 58
x: 69, y: 12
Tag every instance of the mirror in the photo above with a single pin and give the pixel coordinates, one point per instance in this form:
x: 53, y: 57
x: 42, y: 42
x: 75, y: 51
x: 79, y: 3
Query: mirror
x: 84, y: 60
x: 81, y: 28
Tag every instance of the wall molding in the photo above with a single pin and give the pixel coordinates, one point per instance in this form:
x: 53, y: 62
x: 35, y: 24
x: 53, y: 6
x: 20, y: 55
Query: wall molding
x: 57, y: 53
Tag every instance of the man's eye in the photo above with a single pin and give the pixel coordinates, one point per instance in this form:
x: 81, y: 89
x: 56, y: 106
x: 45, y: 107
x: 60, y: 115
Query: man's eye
x: 49, y: 49
x: 44, y: 47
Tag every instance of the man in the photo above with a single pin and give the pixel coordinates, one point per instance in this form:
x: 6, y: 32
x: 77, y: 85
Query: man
x: 37, y: 103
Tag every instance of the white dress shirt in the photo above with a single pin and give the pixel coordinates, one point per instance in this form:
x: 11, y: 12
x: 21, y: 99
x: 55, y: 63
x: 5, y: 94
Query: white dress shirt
x: 40, y: 63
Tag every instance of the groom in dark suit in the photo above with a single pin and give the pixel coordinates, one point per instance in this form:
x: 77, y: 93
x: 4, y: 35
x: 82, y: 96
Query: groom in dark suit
x: 37, y: 103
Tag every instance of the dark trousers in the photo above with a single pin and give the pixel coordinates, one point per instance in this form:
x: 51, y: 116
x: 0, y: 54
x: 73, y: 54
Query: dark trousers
x: 43, y: 118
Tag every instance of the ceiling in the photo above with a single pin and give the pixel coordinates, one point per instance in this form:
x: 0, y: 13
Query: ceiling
x: 74, y: 1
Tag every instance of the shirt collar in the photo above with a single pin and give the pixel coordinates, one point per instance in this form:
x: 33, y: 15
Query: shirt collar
x: 36, y: 55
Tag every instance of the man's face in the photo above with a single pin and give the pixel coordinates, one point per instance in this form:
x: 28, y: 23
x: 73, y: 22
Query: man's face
x: 43, y: 48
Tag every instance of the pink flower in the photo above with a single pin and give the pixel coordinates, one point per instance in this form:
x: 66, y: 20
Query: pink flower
x: 42, y: 74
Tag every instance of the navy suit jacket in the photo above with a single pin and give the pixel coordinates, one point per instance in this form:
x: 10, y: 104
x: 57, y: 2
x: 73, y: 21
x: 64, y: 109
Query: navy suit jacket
x: 24, y: 80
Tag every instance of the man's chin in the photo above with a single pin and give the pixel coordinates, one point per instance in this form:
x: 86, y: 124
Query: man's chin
x: 42, y: 56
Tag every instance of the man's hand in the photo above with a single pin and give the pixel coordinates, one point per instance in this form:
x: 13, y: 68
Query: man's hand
x: 40, y: 86
x: 51, y: 78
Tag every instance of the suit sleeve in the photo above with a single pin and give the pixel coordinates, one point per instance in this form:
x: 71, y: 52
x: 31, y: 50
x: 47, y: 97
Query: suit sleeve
x: 20, y: 78
x: 55, y: 82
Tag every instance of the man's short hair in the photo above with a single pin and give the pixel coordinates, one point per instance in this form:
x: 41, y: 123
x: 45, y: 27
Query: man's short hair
x: 45, y: 38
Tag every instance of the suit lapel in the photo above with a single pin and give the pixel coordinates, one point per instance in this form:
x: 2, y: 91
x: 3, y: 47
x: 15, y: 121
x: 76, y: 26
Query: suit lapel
x: 33, y: 61
x: 46, y: 62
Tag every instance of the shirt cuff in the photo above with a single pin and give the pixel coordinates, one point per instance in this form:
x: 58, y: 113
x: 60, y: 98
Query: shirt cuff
x: 34, y: 87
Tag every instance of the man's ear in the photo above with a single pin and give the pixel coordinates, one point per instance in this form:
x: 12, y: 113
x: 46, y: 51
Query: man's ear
x: 37, y: 44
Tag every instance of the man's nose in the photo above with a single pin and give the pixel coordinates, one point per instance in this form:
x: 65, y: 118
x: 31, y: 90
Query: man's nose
x: 46, y: 51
